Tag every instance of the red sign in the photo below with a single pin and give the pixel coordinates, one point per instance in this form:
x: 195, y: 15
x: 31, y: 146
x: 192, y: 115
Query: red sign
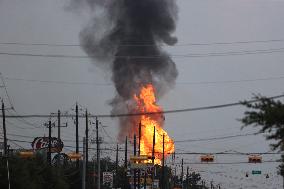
x: 42, y: 143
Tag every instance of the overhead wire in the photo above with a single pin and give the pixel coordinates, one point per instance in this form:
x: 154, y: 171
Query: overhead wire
x: 110, y: 84
x: 147, y: 113
x: 153, y: 57
x: 149, y: 44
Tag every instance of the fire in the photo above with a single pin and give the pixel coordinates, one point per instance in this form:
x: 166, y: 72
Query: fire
x: 146, y: 102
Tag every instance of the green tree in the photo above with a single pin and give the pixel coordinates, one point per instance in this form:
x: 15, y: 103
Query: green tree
x: 32, y: 173
x: 268, y: 114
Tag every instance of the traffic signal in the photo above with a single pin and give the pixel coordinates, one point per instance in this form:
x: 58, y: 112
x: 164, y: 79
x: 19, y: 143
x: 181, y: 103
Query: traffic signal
x: 207, y: 158
x: 254, y: 159
x: 26, y: 154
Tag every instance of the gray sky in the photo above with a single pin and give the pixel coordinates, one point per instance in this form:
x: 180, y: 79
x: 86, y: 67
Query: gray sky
x: 206, y: 21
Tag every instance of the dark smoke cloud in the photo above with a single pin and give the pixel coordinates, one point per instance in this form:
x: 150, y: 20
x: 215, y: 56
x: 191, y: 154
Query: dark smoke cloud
x: 125, y: 36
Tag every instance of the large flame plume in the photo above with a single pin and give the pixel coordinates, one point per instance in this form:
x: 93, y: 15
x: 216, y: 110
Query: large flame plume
x: 146, y: 102
x: 126, y: 38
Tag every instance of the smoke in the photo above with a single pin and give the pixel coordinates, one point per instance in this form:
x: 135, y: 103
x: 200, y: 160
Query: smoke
x: 126, y: 37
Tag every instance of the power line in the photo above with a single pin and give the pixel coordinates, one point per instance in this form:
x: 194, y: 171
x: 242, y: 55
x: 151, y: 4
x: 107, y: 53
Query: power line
x: 178, y: 153
x: 151, y: 57
x: 110, y: 84
x: 229, y: 163
x: 143, y: 113
x: 216, y: 138
x: 147, y: 44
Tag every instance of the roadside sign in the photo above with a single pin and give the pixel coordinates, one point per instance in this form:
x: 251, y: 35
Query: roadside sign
x: 256, y: 172
x: 108, y: 178
x: 141, y: 165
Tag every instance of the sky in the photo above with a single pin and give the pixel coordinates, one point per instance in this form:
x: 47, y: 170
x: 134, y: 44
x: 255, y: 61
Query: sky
x: 202, y: 81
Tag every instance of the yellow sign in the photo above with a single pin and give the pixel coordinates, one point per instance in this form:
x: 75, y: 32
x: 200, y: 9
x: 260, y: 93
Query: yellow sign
x: 139, y: 158
x: 140, y: 165
x: 148, y: 181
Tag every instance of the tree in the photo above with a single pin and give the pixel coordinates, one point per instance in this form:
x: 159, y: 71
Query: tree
x: 267, y: 113
x: 193, y: 179
x: 31, y: 174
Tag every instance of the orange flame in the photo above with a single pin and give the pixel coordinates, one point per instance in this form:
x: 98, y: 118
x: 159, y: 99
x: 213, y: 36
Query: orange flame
x: 146, y: 102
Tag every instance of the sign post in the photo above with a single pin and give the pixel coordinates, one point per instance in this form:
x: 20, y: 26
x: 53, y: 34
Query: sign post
x: 108, y: 179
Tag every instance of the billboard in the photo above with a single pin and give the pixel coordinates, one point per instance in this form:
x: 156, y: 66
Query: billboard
x: 42, y: 143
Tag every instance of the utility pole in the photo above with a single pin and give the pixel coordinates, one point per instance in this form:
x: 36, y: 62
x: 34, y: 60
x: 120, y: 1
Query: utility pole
x: 98, y: 155
x: 163, y: 164
x: 134, y: 179
x: 58, y: 135
x: 139, y: 152
x: 145, y: 178
x: 187, y: 174
x: 181, y: 173
x: 84, y: 164
x: 116, y: 167
x: 153, y: 156
x: 125, y: 163
x: 58, y: 124
x: 49, y: 142
x: 4, y: 128
x: 125, y: 154
x: 77, y: 135
x: 87, y: 146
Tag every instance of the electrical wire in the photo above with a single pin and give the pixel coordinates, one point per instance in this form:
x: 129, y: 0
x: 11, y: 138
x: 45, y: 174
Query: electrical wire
x: 216, y: 138
x: 110, y: 84
x: 128, y: 57
x: 146, y: 113
x: 148, y: 44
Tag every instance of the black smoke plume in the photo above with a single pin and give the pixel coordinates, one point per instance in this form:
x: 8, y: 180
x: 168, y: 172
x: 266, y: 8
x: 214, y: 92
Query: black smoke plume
x: 127, y: 36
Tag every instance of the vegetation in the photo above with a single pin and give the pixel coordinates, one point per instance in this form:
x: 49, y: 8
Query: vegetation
x: 269, y: 115
x: 31, y: 174
x: 36, y: 173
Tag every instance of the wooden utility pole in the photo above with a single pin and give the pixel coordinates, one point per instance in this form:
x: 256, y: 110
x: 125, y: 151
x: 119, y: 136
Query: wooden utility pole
x: 49, y: 142
x: 58, y: 136
x: 116, y: 167
x: 134, y: 179
x: 153, y: 156
x: 77, y: 134
x: 4, y: 128
x: 163, y: 164
x: 125, y: 154
x: 98, y: 155
x: 139, y: 152
x: 84, y: 164
x: 87, y: 146
x: 181, y: 178
x: 58, y: 124
x: 125, y: 163
x: 153, y: 147
x: 187, y: 174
